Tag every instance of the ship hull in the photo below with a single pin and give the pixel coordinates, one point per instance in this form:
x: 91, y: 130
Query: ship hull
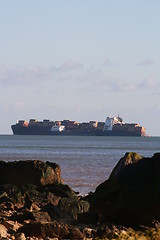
x: 46, y: 130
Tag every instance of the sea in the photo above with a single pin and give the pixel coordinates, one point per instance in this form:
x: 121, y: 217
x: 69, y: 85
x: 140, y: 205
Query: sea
x: 85, y: 161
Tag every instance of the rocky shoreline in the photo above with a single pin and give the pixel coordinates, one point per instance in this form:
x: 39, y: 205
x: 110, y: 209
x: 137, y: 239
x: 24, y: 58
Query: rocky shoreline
x: 36, y: 204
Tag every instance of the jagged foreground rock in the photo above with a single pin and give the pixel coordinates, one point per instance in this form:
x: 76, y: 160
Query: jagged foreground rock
x: 35, y: 172
x: 35, y: 204
x: 131, y: 195
x: 34, y: 201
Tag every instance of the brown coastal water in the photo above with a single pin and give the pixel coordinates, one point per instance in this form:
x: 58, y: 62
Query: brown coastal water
x: 85, y: 161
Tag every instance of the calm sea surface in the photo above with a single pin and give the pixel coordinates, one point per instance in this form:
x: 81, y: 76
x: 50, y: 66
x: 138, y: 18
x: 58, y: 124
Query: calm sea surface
x: 85, y: 161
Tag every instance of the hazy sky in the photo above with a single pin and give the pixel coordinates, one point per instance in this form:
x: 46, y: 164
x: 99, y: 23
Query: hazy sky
x: 80, y: 60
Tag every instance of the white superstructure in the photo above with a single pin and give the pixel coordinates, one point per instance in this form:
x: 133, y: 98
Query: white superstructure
x: 57, y: 128
x: 110, y: 121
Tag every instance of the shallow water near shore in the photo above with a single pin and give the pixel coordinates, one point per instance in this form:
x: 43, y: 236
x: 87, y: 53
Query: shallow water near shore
x: 85, y: 161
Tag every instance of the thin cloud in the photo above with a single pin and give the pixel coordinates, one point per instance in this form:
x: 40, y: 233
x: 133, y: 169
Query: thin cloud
x: 122, y: 86
x: 21, y: 75
x: 108, y: 63
x: 119, y: 85
x: 98, y: 82
x: 146, y: 62
x: 3, y: 72
x: 148, y: 83
x: 70, y: 66
x: 92, y: 78
x: 90, y: 75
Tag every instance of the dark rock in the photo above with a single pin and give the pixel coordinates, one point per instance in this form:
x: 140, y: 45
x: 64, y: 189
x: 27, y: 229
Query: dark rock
x: 34, y: 172
x: 71, y: 207
x: 51, y: 210
x: 22, y: 216
x: 75, y: 233
x: 52, y: 230
x: 88, y: 218
x: 20, y: 236
x: 53, y: 199
x: 3, y: 197
x: 5, y: 202
x: 41, y: 216
x: 67, y: 210
x: 61, y: 190
x: 88, y: 197
x: 40, y: 209
x: 131, y: 195
x: 34, y: 216
x: 12, y: 192
x: 28, y: 201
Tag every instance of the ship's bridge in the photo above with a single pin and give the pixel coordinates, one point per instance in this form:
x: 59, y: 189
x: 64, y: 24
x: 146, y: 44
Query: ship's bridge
x: 110, y: 121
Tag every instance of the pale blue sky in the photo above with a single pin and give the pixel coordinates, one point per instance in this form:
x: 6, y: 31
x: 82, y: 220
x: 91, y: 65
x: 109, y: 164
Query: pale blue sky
x: 80, y: 60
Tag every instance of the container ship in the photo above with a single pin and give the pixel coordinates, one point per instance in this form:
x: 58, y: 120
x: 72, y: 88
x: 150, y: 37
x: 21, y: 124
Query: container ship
x: 113, y: 126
